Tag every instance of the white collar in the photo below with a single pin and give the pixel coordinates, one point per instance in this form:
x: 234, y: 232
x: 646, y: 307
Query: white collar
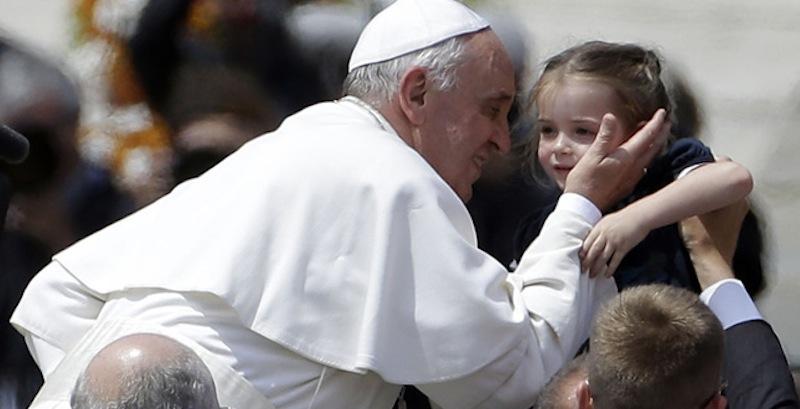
x: 377, y: 116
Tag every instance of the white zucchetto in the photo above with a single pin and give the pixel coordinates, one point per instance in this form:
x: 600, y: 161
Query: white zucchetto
x: 411, y: 25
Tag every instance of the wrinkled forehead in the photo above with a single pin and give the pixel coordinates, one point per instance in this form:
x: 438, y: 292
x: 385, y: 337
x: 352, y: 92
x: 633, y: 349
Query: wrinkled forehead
x: 487, y: 58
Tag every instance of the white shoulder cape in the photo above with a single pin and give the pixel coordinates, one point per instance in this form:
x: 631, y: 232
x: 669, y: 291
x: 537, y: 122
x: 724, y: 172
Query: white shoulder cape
x: 331, y: 237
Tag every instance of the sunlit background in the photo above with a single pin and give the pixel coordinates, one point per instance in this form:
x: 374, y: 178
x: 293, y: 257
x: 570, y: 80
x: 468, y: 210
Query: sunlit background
x: 742, y: 59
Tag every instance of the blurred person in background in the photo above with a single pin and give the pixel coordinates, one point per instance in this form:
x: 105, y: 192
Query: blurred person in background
x: 56, y: 198
x: 219, y: 86
x: 172, y: 87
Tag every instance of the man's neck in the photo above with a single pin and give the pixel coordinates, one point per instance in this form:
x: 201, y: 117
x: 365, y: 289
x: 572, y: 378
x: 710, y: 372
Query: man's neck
x: 398, y: 121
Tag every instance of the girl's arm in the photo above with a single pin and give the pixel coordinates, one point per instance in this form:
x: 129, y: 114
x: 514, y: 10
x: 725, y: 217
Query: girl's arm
x: 707, y: 188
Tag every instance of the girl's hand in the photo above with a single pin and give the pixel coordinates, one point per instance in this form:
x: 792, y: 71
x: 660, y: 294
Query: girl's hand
x: 609, y: 242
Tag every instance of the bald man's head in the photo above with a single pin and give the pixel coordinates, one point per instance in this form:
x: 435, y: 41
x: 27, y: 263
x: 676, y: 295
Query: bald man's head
x: 145, y: 371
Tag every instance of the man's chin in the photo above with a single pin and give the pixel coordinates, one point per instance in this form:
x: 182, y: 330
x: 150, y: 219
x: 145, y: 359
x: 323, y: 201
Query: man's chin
x: 465, y: 193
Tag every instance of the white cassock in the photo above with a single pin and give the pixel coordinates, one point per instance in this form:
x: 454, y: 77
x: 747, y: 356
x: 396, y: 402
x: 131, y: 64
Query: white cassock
x: 326, y: 264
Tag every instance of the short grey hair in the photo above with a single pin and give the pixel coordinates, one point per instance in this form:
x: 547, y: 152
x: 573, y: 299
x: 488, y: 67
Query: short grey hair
x: 377, y: 83
x: 181, y: 382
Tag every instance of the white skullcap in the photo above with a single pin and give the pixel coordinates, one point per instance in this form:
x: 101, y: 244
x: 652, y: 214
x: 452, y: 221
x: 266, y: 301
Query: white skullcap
x: 411, y: 25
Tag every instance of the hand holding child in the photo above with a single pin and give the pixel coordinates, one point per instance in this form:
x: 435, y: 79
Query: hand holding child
x: 610, y: 240
x: 711, y: 241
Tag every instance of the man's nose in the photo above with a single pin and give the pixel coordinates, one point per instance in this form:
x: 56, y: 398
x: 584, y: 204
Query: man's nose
x: 501, y: 138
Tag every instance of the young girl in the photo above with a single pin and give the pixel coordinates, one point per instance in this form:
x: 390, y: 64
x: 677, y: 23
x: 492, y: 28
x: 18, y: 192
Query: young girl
x: 639, y: 235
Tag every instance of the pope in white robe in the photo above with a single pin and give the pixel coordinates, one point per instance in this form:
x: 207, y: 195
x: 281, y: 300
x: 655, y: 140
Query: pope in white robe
x: 329, y: 244
x: 323, y: 265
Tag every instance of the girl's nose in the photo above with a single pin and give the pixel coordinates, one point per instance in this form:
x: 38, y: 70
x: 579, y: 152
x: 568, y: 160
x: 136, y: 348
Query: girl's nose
x: 562, y: 144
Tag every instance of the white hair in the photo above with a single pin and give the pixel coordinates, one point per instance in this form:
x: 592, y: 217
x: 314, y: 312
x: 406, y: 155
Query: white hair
x: 180, y: 382
x: 377, y: 83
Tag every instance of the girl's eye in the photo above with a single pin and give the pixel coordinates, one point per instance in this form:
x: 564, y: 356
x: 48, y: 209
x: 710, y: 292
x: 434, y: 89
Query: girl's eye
x: 584, y: 132
x: 546, y: 130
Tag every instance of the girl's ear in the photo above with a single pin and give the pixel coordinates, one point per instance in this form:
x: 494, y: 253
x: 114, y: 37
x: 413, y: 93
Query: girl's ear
x: 412, y: 94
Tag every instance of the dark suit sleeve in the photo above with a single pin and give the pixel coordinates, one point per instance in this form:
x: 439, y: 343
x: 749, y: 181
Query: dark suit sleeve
x: 684, y: 153
x: 756, y: 369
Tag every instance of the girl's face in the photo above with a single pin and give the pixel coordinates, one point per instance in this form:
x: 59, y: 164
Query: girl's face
x: 569, y: 118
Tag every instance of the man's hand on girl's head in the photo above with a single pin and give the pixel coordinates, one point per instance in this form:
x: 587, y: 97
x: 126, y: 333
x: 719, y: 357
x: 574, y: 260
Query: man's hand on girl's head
x: 611, y: 168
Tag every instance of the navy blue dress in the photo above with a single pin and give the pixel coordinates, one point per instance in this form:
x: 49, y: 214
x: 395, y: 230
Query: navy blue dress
x: 661, y: 257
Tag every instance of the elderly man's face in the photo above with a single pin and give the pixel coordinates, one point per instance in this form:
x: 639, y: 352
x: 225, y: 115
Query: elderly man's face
x: 468, y: 123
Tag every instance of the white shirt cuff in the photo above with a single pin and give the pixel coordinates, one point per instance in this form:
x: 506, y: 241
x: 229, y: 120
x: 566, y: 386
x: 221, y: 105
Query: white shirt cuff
x: 580, y: 205
x: 729, y: 301
x: 688, y: 169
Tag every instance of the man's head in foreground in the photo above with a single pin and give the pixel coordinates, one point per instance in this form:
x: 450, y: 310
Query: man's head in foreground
x: 654, y: 346
x: 145, y: 371
x: 437, y: 72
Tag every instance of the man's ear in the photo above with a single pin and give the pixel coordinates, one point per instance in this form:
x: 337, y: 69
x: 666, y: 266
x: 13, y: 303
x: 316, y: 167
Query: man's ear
x: 719, y: 402
x: 584, y: 395
x: 413, y: 93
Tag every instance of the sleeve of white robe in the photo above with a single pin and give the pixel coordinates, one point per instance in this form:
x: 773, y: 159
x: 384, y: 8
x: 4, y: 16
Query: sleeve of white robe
x: 560, y: 302
x: 50, y: 336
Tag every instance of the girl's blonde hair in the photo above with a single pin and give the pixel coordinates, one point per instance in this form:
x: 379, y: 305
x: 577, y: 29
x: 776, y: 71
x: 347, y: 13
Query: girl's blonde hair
x: 632, y: 71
